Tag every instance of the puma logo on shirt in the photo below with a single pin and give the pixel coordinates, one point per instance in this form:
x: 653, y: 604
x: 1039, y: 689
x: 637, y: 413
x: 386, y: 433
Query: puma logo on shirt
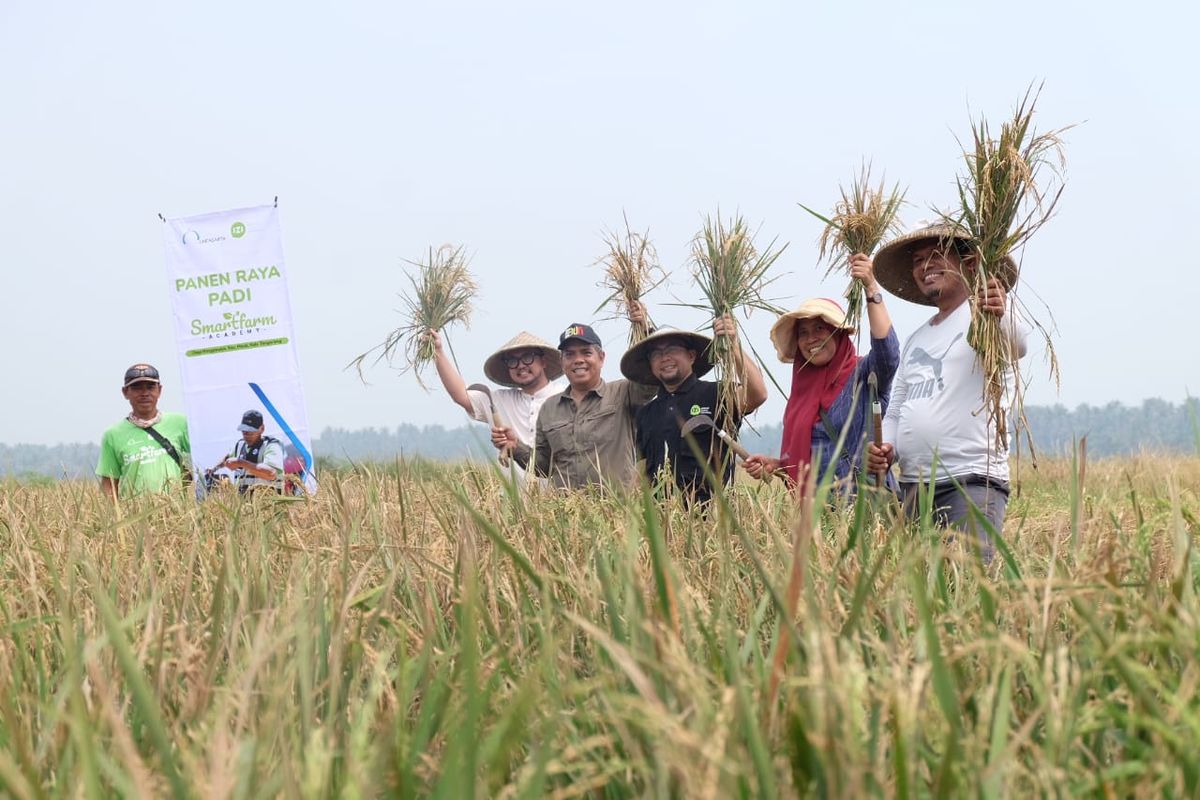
x: 918, y: 360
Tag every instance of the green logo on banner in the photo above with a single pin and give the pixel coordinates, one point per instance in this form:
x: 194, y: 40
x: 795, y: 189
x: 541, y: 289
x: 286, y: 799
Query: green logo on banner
x: 695, y: 410
x: 238, y: 230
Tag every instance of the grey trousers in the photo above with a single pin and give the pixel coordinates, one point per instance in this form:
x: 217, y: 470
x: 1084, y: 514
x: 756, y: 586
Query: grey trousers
x: 951, y: 506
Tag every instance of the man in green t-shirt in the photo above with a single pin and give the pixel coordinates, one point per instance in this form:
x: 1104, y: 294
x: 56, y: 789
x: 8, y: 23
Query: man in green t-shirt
x: 148, y: 451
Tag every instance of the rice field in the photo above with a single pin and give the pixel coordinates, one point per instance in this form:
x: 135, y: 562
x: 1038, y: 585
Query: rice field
x: 421, y: 630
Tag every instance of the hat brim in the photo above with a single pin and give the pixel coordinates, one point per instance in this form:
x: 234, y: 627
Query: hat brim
x: 635, y: 364
x: 893, y: 263
x: 244, y: 428
x: 132, y: 381
x: 783, y: 332
x: 498, y: 374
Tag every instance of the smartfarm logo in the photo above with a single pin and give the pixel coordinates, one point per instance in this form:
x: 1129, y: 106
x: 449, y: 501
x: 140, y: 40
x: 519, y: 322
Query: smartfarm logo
x: 194, y: 237
x: 237, y: 230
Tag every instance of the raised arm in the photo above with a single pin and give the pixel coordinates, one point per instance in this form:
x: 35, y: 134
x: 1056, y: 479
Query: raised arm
x: 863, y: 268
x: 456, y: 387
x: 753, y: 393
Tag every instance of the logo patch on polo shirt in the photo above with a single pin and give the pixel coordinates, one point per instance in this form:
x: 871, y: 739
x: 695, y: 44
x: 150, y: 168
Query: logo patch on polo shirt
x: 697, y: 409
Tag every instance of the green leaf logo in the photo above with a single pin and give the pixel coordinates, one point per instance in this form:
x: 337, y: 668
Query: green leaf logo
x: 238, y: 230
x: 695, y: 410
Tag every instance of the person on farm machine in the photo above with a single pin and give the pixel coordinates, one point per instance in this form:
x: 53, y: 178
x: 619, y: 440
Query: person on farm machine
x: 257, y: 460
x: 673, y: 361
x: 935, y: 428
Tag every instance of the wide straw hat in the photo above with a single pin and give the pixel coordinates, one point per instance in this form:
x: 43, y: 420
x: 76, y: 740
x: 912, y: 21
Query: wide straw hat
x: 635, y: 364
x: 893, y: 262
x: 498, y: 373
x: 783, y: 332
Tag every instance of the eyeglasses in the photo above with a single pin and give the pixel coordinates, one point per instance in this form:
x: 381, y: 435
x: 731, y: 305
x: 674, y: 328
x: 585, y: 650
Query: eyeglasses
x: 667, y: 350
x: 526, y: 359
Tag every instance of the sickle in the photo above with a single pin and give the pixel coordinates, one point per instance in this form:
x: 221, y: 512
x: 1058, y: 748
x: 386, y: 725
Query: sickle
x: 487, y: 392
x: 876, y: 418
x: 702, y: 421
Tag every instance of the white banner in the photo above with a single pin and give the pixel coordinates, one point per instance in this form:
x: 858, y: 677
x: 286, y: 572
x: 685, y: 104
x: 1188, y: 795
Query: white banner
x: 233, y: 329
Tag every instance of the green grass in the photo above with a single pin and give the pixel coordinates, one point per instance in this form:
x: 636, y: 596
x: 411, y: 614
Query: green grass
x: 432, y: 632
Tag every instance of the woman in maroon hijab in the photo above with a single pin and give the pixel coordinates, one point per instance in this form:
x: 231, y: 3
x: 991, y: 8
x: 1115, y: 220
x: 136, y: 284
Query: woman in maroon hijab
x: 830, y: 400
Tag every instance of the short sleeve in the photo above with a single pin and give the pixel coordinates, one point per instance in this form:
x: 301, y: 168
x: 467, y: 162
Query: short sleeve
x: 481, y: 410
x: 108, y: 465
x: 273, y: 457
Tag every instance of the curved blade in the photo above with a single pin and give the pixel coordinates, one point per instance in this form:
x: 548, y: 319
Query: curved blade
x: 479, y: 387
x: 697, y: 423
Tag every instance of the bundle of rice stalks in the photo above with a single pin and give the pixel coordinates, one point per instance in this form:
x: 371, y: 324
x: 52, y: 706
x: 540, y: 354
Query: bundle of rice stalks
x: 631, y: 271
x: 442, y: 291
x: 731, y: 272
x: 861, y: 219
x: 1002, y: 204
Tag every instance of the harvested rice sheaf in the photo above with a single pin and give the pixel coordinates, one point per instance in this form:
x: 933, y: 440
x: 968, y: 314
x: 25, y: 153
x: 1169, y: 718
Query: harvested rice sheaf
x: 631, y: 271
x: 731, y: 272
x: 443, y: 290
x: 1008, y: 191
x: 862, y: 218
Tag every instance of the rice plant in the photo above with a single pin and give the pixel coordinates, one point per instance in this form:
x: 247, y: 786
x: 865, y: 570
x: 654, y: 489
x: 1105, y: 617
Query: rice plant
x: 862, y: 218
x: 1009, y: 190
x: 631, y: 271
x: 731, y: 272
x: 443, y: 290
x: 422, y: 630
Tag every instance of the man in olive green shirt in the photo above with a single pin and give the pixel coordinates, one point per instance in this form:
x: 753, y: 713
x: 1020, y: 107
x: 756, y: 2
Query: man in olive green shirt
x: 133, y: 456
x: 585, y: 434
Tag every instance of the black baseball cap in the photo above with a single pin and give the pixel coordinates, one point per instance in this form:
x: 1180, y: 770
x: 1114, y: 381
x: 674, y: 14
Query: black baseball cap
x: 140, y: 373
x: 251, y: 421
x: 577, y: 330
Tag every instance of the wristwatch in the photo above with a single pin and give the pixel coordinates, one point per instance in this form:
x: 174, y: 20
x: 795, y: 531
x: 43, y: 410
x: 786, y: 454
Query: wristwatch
x: 875, y: 298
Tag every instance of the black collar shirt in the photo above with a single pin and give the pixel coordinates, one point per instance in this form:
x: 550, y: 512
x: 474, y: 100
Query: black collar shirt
x: 660, y: 440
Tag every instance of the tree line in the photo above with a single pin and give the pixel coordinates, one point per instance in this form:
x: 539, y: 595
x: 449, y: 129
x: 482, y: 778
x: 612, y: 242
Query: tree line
x: 1111, y: 430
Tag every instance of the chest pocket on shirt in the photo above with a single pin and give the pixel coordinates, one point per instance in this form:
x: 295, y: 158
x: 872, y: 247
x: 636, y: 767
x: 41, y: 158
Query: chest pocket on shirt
x: 597, y: 425
x: 560, y: 437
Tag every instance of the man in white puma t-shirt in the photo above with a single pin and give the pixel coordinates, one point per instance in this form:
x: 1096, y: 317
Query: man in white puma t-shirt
x: 936, y: 425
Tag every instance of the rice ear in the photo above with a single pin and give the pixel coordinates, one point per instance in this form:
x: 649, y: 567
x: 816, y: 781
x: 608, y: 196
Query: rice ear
x: 862, y: 217
x: 443, y: 290
x: 631, y: 271
x: 1009, y: 189
x: 731, y: 271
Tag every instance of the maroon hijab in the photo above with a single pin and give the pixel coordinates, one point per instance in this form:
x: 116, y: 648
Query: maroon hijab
x: 813, y: 388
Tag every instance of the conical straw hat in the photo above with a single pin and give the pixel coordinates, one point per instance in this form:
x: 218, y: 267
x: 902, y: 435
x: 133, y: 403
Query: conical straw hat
x: 498, y: 373
x: 635, y: 364
x: 893, y: 262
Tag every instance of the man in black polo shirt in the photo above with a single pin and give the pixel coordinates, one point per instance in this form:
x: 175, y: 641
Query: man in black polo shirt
x: 674, y: 361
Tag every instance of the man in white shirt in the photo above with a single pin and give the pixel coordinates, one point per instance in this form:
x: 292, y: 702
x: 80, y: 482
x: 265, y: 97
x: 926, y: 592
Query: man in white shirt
x: 528, y: 369
x: 936, y: 425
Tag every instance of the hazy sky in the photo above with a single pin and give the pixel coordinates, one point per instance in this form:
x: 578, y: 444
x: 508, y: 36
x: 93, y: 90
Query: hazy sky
x: 522, y: 130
